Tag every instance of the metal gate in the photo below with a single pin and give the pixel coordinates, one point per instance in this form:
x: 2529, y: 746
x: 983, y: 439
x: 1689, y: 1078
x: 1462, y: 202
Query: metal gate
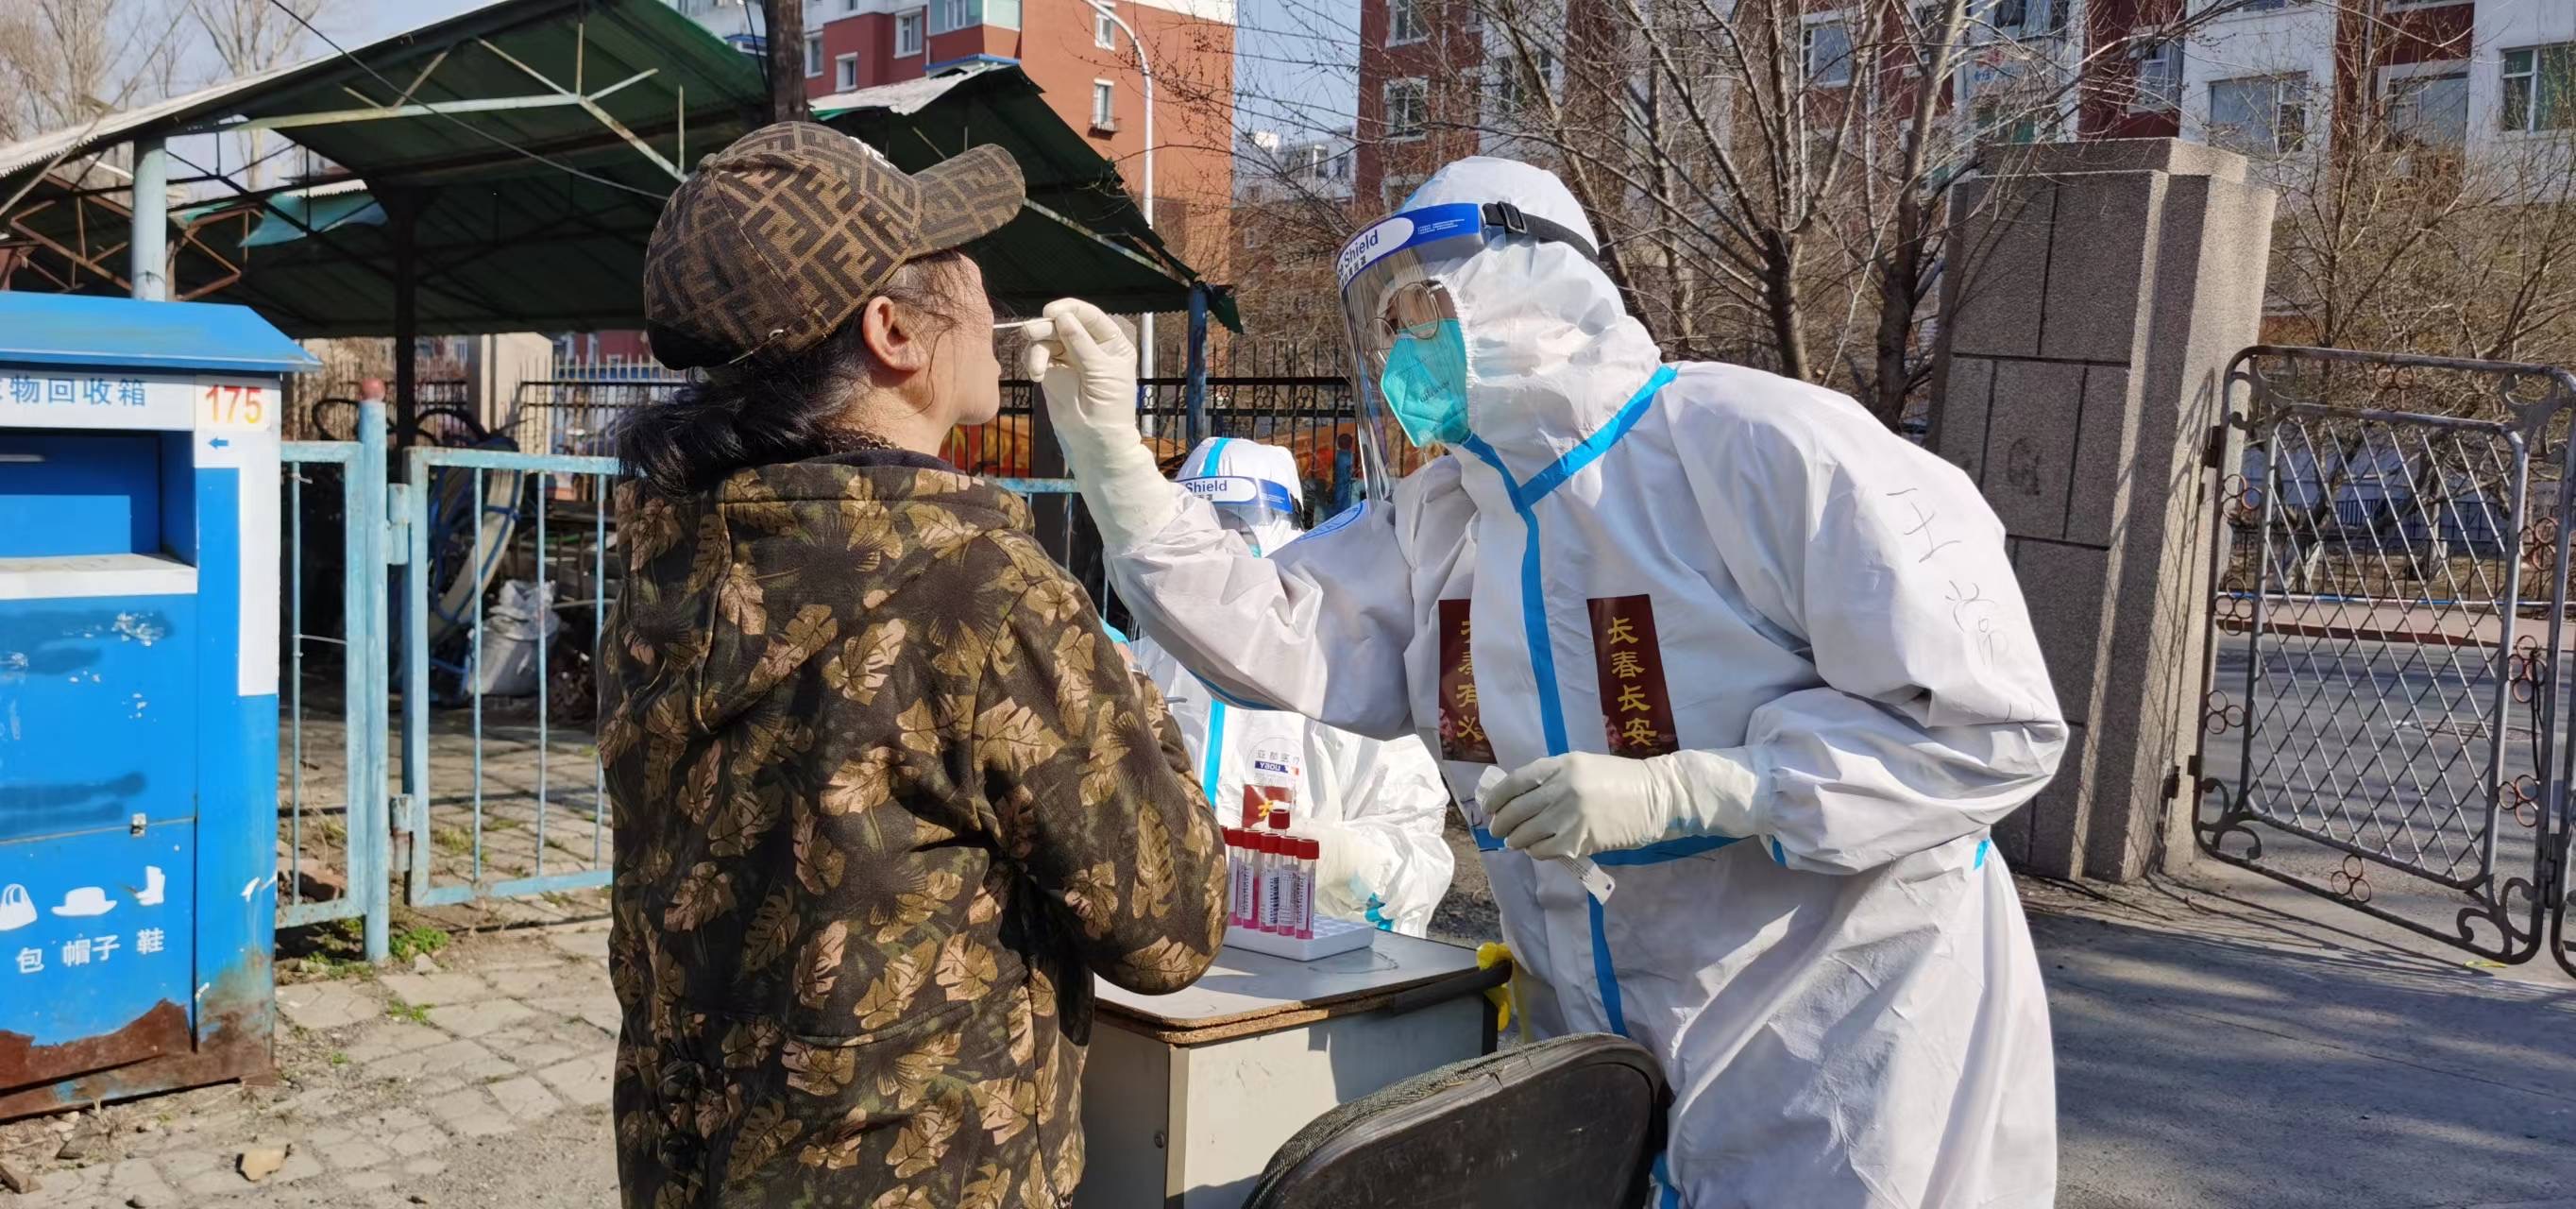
x: 333, y: 867
x: 2387, y: 633
x: 503, y: 791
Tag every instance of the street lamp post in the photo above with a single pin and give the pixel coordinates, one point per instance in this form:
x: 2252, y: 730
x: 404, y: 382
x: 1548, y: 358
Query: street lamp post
x: 1145, y: 351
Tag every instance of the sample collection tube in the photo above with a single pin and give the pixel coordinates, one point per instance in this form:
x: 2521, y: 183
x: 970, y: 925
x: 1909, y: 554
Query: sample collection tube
x: 1239, y: 871
x: 1308, y: 850
x: 1265, y: 880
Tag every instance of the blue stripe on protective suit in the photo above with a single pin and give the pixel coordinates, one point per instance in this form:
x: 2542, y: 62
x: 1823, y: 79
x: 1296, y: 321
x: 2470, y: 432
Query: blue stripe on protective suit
x: 1213, y: 761
x: 1551, y: 709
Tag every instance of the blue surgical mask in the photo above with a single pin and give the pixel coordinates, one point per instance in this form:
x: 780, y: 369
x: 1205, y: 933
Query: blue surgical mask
x: 1425, y: 385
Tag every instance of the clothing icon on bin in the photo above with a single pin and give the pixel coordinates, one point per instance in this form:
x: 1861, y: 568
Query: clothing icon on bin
x: 16, y: 909
x: 82, y: 901
x: 153, y: 891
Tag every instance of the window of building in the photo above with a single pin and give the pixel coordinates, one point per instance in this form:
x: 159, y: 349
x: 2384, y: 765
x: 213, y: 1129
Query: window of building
x: 813, y: 55
x: 2540, y: 88
x: 1404, y: 22
x: 1104, y: 31
x: 2429, y: 110
x: 1828, y: 51
x: 2159, y: 87
x: 907, y: 33
x: 1003, y: 13
x: 949, y: 16
x: 2260, y: 115
x: 849, y: 6
x: 1408, y: 109
x: 2006, y: 121
x: 1104, y: 105
x: 845, y: 72
x: 1507, y: 71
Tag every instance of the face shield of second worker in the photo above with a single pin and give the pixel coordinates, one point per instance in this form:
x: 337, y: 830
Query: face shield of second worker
x: 1253, y: 487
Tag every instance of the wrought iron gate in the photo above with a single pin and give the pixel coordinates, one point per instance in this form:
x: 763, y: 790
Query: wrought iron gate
x: 2387, y: 637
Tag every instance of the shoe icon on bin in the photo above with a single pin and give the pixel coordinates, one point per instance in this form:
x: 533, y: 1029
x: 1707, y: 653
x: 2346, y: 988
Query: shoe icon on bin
x: 83, y: 901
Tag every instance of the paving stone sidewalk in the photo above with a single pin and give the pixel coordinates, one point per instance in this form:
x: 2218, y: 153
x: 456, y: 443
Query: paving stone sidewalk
x: 478, y: 1079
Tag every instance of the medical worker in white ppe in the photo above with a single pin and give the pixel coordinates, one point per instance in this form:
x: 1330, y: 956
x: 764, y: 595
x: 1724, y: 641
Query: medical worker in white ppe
x: 1374, y: 806
x: 1763, y: 661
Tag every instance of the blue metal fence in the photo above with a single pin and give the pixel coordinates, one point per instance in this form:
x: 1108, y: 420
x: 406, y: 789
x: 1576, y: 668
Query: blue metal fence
x: 486, y: 809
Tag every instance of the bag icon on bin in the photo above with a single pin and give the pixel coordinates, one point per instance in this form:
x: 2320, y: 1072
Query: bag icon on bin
x: 17, y: 910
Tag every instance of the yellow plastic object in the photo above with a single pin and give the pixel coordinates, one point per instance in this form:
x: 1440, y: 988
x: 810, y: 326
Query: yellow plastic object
x: 1489, y: 955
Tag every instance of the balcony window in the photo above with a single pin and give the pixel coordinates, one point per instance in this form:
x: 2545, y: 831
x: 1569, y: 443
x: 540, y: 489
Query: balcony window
x: 2540, y: 88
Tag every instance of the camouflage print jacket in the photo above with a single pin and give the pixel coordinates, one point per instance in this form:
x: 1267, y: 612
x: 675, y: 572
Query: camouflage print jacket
x: 886, y: 798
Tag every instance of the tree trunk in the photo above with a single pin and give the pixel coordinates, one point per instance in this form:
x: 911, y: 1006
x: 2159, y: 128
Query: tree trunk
x: 786, y: 26
x: 1899, y: 271
x: 1780, y: 298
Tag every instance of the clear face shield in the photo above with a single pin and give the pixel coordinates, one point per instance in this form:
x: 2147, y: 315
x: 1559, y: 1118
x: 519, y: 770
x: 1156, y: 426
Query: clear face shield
x: 1408, y: 350
x: 1395, y: 306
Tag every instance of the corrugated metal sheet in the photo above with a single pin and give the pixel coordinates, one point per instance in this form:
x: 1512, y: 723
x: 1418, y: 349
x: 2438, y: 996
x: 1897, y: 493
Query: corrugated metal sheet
x: 26, y: 157
x: 1035, y: 259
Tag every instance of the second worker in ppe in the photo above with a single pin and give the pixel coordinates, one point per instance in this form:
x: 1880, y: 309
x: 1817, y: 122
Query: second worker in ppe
x: 1764, y: 661
x: 1375, y: 806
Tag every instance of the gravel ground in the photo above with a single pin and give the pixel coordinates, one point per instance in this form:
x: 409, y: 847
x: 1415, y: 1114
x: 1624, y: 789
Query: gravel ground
x: 1466, y: 915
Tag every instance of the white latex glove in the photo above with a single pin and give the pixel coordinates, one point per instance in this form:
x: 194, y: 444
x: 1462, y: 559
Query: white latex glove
x: 1583, y: 803
x: 1085, y: 365
x: 1350, y: 866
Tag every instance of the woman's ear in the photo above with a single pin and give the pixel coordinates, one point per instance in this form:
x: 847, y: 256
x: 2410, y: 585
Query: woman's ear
x: 897, y: 341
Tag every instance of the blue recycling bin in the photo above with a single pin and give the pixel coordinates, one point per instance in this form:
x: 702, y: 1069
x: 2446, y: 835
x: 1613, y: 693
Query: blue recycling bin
x: 138, y: 695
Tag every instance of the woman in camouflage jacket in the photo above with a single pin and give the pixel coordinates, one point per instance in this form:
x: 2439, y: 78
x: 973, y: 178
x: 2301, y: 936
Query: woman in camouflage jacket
x: 887, y: 796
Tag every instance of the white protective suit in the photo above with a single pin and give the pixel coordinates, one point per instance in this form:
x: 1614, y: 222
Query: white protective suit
x: 1844, y: 995
x: 1376, y: 805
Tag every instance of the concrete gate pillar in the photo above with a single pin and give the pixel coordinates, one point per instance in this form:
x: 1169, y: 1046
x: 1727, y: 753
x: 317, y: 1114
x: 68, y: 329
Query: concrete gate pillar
x: 2098, y: 291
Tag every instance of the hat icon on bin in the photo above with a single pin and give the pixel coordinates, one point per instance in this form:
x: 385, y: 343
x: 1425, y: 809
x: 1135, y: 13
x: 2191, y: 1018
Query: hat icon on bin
x: 85, y: 900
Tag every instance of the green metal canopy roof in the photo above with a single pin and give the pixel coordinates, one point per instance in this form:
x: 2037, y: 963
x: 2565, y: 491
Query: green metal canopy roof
x: 528, y: 144
x: 1072, y: 189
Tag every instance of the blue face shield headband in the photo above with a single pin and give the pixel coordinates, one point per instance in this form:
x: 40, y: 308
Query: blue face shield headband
x: 1244, y: 503
x: 1410, y: 349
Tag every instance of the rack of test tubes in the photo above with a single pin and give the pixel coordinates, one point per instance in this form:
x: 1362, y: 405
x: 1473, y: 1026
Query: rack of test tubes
x: 1273, y: 898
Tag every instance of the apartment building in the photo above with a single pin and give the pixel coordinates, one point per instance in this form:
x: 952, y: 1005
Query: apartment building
x: 2263, y: 76
x: 1292, y: 209
x: 1081, y: 58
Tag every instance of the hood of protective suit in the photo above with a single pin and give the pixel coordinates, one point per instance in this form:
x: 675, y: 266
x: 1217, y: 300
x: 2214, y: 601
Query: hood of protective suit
x: 1552, y: 354
x: 1238, y: 458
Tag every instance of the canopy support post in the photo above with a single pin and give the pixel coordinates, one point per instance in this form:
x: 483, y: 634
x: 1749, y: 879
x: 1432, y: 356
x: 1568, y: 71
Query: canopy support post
x: 148, y: 249
x: 1194, y: 392
x: 400, y: 206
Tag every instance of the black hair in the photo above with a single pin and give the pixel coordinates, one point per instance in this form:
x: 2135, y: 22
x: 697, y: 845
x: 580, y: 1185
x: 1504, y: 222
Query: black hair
x: 774, y: 408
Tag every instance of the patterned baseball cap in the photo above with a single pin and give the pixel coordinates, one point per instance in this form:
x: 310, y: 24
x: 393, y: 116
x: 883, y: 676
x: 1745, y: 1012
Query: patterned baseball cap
x: 779, y: 238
